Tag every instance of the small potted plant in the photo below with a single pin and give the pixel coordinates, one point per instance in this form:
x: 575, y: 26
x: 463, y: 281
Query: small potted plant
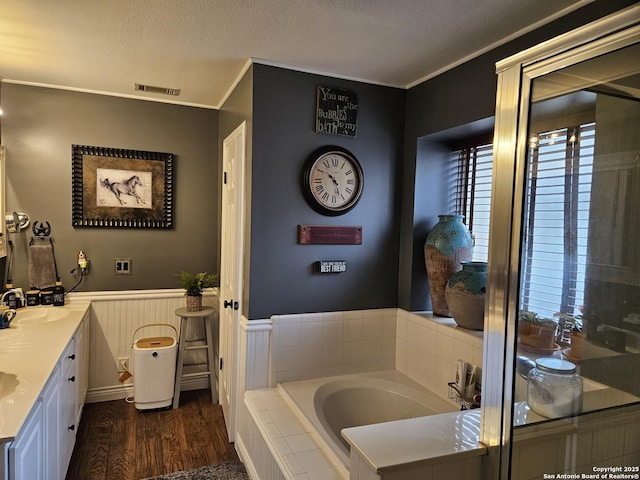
x: 537, y: 332
x: 574, y: 325
x: 194, y: 284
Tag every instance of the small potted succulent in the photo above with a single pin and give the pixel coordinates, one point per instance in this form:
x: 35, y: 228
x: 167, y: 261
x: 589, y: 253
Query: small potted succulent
x: 194, y: 284
x: 537, y: 332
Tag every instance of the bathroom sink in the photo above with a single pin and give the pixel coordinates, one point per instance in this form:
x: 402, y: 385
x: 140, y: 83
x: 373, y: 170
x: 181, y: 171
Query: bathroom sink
x: 8, y: 384
x: 39, y: 315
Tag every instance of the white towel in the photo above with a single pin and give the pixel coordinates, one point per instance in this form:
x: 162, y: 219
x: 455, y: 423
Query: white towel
x: 42, y: 269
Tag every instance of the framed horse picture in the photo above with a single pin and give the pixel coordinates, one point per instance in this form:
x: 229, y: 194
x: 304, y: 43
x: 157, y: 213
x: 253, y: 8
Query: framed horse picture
x: 112, y: 187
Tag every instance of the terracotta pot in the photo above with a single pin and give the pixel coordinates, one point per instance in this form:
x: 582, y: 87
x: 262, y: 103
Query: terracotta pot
x: 194, y: 303
x: 539, y: 336
x: 577, y: 339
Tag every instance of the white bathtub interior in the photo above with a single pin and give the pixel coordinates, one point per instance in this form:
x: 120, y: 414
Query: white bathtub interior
x: 334, y: 403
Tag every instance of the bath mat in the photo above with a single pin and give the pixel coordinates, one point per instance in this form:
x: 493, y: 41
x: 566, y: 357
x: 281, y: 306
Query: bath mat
x: 221, y: 471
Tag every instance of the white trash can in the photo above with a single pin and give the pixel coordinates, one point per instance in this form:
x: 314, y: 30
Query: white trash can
x: 154, y: 370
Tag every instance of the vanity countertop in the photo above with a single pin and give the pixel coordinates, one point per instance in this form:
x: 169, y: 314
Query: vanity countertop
x: 29, y: 350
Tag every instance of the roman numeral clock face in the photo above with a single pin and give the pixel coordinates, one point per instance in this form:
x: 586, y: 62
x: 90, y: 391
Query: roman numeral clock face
x: 332, y: 180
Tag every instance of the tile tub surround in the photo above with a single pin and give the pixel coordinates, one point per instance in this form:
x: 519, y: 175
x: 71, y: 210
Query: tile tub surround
x: 292, y: 449
x: 424, y: 347
x: 304, y: 346
x: 428, y: 348
x: 313, y: 345
x: 293, y: 442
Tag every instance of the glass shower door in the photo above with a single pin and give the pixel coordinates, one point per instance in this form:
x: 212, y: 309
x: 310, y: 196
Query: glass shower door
x: 580, y: 273
x: 569, y: 271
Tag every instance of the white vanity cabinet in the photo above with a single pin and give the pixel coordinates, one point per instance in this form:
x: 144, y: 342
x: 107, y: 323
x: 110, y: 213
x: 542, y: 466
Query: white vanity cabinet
x: 50, y: 420
x: 82, y: 365
x: 26, y: 454
x: 69, y: 381
x: 43, y: 447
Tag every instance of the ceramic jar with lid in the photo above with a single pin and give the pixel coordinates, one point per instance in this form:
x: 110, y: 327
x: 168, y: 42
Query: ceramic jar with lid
x: 554, y: 389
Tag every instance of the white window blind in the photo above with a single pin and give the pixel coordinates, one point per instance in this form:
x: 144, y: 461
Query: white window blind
x: 556, y: 220
x: 471, y: 176
x: 557, y: 213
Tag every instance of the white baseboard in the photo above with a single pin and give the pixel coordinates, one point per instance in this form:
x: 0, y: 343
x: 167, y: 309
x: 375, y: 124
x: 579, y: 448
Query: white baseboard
x: 245, y: 458
x: 119, y: 392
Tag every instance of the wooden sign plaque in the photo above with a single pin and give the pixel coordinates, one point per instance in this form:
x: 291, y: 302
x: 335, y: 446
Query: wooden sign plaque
x: 329, y: 235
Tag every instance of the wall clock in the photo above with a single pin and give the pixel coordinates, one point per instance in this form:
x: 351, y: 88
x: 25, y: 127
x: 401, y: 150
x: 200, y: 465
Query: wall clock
x: 332, y: 180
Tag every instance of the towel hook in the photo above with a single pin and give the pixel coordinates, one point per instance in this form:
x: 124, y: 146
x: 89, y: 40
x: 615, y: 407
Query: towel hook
x: 41, y: 230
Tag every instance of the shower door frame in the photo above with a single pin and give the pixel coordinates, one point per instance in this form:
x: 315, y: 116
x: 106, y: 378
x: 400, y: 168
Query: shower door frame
x: 515, y: 77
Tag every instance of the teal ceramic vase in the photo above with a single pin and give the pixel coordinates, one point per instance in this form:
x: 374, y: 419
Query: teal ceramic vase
x: 465, y: 293
x: 448, y: 245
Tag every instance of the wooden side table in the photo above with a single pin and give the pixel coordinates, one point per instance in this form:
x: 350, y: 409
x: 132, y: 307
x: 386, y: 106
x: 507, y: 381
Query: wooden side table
x: 186, y: 316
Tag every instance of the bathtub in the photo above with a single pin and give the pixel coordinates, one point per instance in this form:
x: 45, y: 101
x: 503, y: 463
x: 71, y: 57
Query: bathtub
x: 333, y: 403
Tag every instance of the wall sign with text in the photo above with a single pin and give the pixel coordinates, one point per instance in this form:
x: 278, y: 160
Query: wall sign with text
x: 331, y: 266
x: 336, y: 111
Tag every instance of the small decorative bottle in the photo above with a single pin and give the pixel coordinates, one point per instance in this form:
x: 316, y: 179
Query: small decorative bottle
x: 58, y: 295
x: 10, y: 299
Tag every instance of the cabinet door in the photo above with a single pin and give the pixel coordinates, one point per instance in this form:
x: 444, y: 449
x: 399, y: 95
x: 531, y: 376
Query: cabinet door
x: 68, y: 400
x: 82, y: 360
x: 50, y: 422
x: 27, y: 452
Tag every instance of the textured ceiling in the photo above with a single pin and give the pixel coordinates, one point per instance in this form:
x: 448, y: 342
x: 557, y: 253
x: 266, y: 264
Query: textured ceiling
x: 202, y: 46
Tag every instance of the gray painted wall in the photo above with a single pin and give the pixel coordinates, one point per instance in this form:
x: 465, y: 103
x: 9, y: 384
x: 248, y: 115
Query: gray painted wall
x: 458, y: 97
x: 38, y: 129
x: 282, y: 276
x: 40, y: 125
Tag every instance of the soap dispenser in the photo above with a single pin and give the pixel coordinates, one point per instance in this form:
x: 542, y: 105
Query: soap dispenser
x: 58, y: 294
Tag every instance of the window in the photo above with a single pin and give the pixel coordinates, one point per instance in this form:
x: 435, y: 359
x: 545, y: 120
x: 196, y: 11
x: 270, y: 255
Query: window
x: 471, y: 171
x: 556, y: 222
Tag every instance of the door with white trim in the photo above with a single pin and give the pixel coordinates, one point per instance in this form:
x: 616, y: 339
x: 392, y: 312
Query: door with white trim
x: 232, y: 242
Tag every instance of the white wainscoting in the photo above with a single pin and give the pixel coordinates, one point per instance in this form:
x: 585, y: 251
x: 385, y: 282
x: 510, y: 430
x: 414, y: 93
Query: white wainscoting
x: 253, y: 359
x: 115, y: 317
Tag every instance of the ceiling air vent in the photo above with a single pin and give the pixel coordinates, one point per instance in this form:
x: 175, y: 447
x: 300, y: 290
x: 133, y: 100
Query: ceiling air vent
x: 161, y: 90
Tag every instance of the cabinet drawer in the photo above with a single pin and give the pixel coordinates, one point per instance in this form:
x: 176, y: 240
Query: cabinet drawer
x: 69, y: 358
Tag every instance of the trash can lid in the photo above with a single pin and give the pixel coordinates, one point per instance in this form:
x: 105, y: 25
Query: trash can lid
x: 155, y: 342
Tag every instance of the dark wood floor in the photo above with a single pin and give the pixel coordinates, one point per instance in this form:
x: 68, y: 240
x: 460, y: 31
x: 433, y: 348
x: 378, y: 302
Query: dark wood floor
x: 117, y: 442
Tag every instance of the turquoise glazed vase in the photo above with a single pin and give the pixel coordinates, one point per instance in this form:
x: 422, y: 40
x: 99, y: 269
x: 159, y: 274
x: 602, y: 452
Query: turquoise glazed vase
x: 448, y: 245
x: 465, y: 293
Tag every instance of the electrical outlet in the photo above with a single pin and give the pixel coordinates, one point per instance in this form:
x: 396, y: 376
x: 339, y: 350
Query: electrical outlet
x: 122, y: 266
x: 123, y: 364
